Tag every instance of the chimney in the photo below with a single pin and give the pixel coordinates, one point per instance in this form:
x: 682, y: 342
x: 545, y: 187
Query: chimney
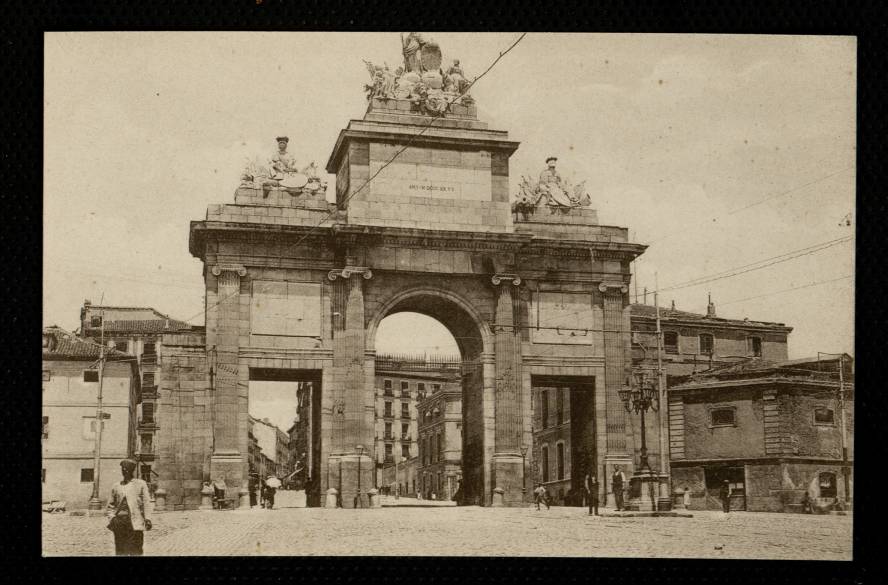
x: 710, y: 307
x: 673, y: 304
x: 87, y: 303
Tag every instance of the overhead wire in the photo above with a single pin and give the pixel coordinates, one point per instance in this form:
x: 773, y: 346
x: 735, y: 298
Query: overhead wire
x: 412, y: 139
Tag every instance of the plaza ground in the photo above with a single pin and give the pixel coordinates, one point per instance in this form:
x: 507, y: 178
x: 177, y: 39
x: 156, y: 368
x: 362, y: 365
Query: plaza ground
x: 464, y: 531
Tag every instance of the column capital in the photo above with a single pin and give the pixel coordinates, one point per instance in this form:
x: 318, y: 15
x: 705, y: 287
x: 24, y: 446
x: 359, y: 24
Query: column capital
x: 612, y: 287
x: 218, y: 269
x: 346, y: 272
x: 497, y: 279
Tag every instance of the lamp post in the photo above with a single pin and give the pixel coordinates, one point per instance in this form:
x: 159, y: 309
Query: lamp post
x: 640, y: 397
x: 523, y: 472
x: 360, y: 450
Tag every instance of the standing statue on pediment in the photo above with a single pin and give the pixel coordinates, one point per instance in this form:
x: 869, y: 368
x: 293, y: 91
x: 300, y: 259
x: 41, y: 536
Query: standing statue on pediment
x: 411, y: 46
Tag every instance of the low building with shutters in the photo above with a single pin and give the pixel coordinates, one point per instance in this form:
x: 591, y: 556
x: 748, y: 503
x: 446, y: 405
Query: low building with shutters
x: 773, y: 429
x: 70, y: 393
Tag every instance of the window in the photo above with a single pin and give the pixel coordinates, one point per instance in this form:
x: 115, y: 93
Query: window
x: 95, y: 321
x: 425, y: 450
x: 544, y: 408
x: 149, y: 348
x: 420, y: 389
x: 559, y: 406
x: 388, y: 409
x: 86, y: 475
x: 754, y: 346
x: 388, y: 431
x: 405, y: 450
x: 722, y: 417
x: 148, y: 412
x: 45, y: 427
x: 440, y: 448
x: 433, y: 449
x: 405, y: 388
x: 405, y: 430
x: 90, y: 375
x: 388, y: 452
x: 147, y: 443
x: 46, y: 375
x: 706, y: 343
x: 670, y: 341
x: 827, y: 483
x: 148, y: 379
x: 824, y: 416
x: 436, y: 387
x: 387, y: 387
x: 559, y: 459
x: 544, y: 463
x: 121, y: 346
x: 405, y: 410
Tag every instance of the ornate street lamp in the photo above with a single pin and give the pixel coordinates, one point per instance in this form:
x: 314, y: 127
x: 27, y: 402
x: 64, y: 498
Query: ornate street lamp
x: 639, y: 397
x: 523, y: 472
x: 360, y: 450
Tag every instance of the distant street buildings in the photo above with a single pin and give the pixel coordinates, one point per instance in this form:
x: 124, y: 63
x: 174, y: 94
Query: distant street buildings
x: 137, y: 331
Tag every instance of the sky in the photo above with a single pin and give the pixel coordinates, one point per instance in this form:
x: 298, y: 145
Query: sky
x: 716, y: 151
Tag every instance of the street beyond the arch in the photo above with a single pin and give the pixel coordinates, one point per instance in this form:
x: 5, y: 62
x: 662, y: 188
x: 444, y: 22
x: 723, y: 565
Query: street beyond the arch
x: 465, y: 531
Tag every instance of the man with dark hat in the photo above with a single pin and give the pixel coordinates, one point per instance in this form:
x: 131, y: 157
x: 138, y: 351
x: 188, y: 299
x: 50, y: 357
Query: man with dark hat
x: 128, y: 511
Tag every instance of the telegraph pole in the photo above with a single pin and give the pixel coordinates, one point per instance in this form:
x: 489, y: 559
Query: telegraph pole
x: 663, y: 411
x: 845, y: 470
x: 94, y: 502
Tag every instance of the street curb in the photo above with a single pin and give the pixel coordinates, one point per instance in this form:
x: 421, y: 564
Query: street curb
x: 648, y: 515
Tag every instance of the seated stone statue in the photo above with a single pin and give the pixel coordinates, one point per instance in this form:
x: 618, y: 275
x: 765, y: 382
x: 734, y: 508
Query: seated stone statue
x: 282, y: 162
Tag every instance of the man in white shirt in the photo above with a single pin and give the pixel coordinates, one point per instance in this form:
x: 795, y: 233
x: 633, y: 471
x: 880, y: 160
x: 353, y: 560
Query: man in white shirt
x: 128, y: 511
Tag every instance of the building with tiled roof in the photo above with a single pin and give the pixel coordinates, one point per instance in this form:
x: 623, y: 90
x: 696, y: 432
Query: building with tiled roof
x: 138, y: 331
x: 70, y: 381
x: 775, y: 429
x: 692, y: 342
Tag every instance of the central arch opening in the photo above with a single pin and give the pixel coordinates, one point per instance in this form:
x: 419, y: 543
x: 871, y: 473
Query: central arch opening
x: 428, y: 387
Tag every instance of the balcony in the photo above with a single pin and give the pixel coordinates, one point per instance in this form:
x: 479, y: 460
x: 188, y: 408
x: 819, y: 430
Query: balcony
x: 148, y: 423
x: 149, y: 392
x: 405, y: 414
x: 405, y: 437
x: 149, y: 358
x: 388, y: 437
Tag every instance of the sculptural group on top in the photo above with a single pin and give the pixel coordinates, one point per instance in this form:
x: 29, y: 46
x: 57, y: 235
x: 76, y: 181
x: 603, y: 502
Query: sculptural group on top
x: 281, y: 171
x: 551, y: 190
x: 421, y: 78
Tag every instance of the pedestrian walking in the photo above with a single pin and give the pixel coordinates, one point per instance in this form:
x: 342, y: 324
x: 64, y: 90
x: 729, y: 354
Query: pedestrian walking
x: 540, y: 495
x: 807, y: 506
x: 617, y: 482
x: 724, y: 495
x: 592, y: 488
x: 272, y: 483
x: 127, y: 511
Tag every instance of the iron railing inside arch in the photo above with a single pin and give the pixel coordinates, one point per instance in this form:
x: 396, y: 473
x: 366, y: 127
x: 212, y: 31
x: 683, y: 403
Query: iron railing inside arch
x: 403, y: 363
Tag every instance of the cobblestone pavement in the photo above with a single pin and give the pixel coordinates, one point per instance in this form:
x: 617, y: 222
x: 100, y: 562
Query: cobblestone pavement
x: 464, y: 531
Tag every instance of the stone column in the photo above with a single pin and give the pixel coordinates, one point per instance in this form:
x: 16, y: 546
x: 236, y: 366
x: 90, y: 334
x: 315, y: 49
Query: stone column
x: 507, y: 460
x: 348, y: 390
x: 227, y: 461
x: 615, y: 347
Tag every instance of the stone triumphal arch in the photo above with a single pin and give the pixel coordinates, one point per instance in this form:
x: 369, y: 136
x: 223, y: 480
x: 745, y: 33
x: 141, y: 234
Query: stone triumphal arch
x: 532, y: 289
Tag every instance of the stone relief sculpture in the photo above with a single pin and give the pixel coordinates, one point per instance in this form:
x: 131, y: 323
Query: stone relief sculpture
x: 281, y: 172
x: 550, y: 190
x: 421, y: 79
